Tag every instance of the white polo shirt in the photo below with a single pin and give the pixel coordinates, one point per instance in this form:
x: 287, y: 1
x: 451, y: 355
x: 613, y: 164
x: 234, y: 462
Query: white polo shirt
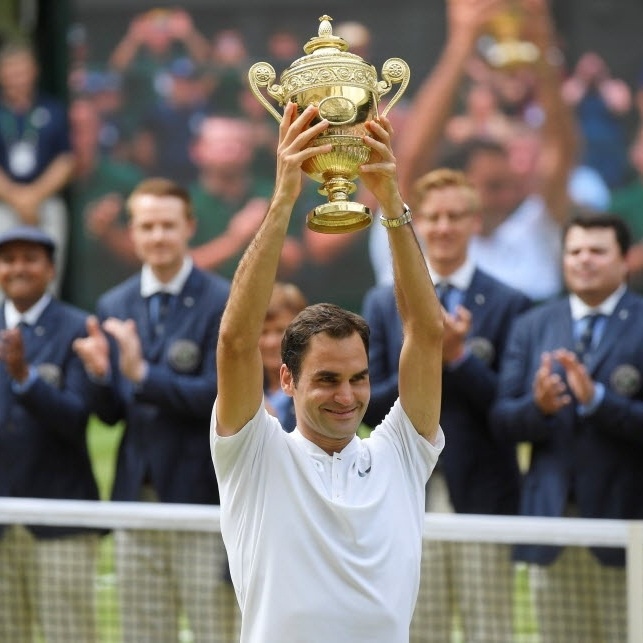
x: 324, y: 548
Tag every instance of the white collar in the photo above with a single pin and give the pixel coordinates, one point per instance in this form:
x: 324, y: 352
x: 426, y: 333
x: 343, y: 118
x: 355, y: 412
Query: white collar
x: 580, y: 309
x: 460, y: 278
x: 313, y: 450
x: 13, y: 316
x: 151, y: 285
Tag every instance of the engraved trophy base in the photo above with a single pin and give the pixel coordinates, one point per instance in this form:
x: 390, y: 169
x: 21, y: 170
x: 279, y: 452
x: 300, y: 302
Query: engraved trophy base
x: 339, y: 217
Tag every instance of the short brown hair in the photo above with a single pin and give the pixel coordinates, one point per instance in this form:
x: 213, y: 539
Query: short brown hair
x: 444, y: 178
x: 318, y: 318
x: 158, y: 186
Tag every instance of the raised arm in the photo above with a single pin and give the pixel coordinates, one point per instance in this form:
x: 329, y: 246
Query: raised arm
x: 420, y: 372
x: 433, y: 103
x: 559, y: 138
x: 239, y: 364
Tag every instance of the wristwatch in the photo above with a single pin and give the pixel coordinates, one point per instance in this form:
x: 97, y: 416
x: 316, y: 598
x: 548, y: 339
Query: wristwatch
x: 403, y: 219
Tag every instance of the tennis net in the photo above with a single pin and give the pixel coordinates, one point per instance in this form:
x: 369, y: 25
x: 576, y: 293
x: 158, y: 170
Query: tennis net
x: 151, y: 572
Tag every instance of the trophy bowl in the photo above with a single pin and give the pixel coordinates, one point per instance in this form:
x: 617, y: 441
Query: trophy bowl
x: 347, y: 92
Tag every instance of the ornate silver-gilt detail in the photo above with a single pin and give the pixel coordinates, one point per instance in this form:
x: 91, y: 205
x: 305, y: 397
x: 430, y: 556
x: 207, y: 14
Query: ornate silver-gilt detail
x: 626, y: 380
x: 184, y: 355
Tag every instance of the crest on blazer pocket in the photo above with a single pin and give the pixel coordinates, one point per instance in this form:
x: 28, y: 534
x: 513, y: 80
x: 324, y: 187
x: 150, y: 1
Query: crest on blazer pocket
x: 51, y: 374
x: 482, y: 348
x: 184, y: 355
x: 626, y: 380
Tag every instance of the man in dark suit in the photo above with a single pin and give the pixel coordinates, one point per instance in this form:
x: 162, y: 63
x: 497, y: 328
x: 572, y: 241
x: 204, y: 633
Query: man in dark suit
x: 160, y: 379
x: 44, y: 571
x: 570, y: 384
x: 478, y: 474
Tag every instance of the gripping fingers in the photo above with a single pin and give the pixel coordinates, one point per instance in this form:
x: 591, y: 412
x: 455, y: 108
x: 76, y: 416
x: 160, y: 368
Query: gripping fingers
x: 293, y: 125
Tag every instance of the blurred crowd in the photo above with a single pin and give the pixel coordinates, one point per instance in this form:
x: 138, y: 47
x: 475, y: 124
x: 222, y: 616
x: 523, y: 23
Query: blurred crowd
x: 172, y: 100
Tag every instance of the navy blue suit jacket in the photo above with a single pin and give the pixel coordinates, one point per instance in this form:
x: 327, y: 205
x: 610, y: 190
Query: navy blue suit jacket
x: 43, y: 449
x: 596, y: 459
x: 167, y: 416
x: 481, y: 472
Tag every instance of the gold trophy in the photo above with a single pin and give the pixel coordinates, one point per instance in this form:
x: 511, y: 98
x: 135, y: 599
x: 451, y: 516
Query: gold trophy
x: 503, y: 45
x: 345, y: 89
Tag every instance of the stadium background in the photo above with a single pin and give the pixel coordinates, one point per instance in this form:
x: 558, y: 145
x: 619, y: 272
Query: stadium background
x: 411, y: 29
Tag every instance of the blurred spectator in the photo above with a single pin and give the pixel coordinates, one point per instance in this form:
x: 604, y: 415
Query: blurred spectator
x: 229, y: 201
x: 481, y: 117
x: 284, y: 46
x: 358, y: 37
x: 105, y: 88
x: 570, y: 385
x: 228, y: 66
x: 152, y: 41
x: 98, y: 232
x: 627, y: 202
x: 285, y: 303
x: 264, y: 133
x: 601, y: 103
x: 47, y: 574
x: 520, y: 238
x: 638, y: 97
x: 172, y: 124
x: 78, y: 52
x: 586, y: 187
x: 36, y: 162
x: 158, y: 377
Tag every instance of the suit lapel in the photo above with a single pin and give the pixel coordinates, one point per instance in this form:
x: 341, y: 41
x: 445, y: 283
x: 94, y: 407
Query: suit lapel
x: 615, y: 327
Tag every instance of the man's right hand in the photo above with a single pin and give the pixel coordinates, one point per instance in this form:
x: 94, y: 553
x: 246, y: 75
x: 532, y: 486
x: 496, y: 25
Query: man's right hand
x: 93, y: 350
x: 295, y: 135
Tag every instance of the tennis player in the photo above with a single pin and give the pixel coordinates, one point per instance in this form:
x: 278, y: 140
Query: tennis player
x: 324, y: 530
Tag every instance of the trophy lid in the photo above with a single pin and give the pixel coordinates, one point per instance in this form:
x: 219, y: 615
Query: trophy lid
x: 325, y: 38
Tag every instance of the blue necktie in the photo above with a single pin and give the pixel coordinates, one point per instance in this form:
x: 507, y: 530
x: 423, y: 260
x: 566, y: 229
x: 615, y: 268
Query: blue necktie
x: 443, y: 290
x: 26, y: 330
x: 159, y: 304
x: 585, y: 341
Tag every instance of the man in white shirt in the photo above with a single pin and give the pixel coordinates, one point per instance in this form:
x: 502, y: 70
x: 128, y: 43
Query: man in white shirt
x: 324, y: 530
x: 522, y: 213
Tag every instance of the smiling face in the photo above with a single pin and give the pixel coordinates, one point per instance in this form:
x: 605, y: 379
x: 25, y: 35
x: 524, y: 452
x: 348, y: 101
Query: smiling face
x: 26, y: 270
x: 445, y: 221
x: 332, y: 391
x: 593, y: 263
x: 160, y: 230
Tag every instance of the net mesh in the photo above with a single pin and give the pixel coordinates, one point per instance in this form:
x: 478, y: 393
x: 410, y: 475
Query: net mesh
x: 148, y: 572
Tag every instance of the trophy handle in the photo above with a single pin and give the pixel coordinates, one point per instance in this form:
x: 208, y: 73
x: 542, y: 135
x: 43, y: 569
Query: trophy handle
x: 263, y: 75
x: 394, y: 71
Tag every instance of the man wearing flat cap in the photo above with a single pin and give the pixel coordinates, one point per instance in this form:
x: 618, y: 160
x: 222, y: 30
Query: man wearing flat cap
x: 43, y: 452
